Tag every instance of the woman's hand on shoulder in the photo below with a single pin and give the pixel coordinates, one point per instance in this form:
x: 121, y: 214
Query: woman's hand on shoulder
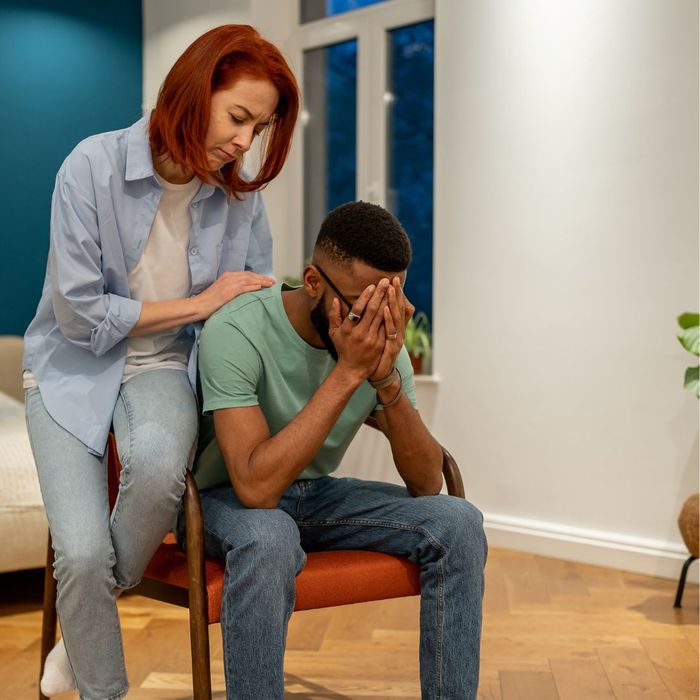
x: 227, y: 287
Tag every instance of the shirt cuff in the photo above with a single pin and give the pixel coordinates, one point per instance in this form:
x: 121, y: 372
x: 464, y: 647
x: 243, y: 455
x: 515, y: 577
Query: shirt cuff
x: 122, y: 316
x: 124, y: 313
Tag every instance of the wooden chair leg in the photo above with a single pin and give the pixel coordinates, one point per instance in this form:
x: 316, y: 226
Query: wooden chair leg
x: 48, y: 628
x: 199, y: 623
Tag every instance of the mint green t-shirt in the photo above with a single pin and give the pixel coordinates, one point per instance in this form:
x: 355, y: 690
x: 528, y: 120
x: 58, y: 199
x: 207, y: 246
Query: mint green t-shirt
x: 250, y: 355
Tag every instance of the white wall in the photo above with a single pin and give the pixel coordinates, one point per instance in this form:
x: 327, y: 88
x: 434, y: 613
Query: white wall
x: 566, y: 243
x: 170, y: 26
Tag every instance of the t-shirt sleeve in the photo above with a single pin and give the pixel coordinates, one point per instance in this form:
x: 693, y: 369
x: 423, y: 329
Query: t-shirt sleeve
x: 229, y: 366
x: 403, y: 364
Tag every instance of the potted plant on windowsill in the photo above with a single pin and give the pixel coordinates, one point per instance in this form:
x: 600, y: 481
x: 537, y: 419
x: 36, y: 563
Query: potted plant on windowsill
x: 418, y: 341
x: 689, y: 337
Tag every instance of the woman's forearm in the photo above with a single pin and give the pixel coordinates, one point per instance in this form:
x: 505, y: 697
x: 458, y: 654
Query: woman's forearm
x: 157, y: 316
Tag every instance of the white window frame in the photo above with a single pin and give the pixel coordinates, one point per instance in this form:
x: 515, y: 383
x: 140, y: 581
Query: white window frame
x: 370, y: 26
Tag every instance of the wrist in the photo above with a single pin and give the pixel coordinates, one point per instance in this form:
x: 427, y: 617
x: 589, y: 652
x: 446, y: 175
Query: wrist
x: 386, y: 380
x: 347, y: 377
x: 195, y: 308
x: 389, y: 394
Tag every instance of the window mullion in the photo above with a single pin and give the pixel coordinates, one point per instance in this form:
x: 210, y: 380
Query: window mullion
x: 365, y: 187
x: 377, y: 113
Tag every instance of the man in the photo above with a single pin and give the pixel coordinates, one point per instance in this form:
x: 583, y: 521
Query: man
x: 290, y: 374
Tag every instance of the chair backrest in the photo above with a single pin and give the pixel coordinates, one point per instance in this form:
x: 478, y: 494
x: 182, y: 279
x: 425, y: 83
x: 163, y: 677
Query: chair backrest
x: 11, y: 349
x: 114, y: 468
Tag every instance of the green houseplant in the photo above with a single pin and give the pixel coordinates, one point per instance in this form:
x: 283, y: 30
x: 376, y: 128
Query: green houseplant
x: 689, y: 337
x: 418, y: 340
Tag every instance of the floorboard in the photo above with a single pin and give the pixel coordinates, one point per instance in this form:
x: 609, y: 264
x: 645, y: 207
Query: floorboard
x: 552, y: 630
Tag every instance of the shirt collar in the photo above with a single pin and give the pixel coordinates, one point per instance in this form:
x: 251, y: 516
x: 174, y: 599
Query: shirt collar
x: 139, y: 163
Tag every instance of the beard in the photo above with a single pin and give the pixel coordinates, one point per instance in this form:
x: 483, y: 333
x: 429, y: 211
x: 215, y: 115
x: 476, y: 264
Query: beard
x: 319, y: 320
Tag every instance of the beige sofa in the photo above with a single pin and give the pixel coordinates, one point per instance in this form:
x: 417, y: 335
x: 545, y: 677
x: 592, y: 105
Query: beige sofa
x: 23, y: 528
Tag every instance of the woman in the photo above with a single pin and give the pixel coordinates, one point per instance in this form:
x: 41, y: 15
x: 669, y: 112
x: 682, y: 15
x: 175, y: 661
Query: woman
x: 153, y: 228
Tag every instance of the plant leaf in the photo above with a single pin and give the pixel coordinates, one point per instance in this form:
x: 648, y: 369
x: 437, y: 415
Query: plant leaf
x: 690, y: 339
x: 688, y: 320
x: 692, y: 380
x: 417, y: 335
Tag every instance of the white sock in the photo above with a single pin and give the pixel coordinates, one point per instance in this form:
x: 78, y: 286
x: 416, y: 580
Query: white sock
x: 57, y: 677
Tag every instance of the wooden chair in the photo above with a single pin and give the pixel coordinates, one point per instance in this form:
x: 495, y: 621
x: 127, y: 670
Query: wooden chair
x: 195, y: 581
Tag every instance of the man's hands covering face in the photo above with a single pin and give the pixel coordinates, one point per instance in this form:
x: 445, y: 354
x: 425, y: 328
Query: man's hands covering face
x: 368, y: 348
x: 397, y: 311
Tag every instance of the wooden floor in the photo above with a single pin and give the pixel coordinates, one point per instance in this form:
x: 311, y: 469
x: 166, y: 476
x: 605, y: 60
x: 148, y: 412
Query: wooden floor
x: 552, y: 629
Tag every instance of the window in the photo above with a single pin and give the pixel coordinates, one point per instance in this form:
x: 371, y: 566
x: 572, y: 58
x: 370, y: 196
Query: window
x: 330, y: 125
x: 317, y: 9
x: 410, y: 151
x: 368, y: 118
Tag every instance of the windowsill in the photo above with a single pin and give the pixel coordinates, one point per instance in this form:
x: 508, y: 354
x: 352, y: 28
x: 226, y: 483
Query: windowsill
x: 426, y: 378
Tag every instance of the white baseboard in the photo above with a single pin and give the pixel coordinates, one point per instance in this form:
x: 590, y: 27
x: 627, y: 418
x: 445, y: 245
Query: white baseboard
x: 611, y: 549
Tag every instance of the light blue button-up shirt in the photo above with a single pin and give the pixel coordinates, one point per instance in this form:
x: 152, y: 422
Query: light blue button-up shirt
x: 103, y: 206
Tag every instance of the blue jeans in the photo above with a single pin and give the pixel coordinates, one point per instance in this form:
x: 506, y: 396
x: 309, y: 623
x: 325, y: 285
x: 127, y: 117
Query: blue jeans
x: 155, y: 424
x: 264, y: 550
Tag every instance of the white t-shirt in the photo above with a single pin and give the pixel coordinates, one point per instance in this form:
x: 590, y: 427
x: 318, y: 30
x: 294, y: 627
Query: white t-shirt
x: 163, y: 273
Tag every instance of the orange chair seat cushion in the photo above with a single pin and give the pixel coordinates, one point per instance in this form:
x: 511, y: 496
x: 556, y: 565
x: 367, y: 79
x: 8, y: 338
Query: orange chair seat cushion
x: 327, y: 580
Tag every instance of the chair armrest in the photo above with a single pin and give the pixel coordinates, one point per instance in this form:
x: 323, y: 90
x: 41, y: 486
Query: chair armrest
x: 453, y: 477
x: 450, y: 470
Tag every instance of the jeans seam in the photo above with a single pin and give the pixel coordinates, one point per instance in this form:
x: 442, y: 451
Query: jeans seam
x: 440, y: 625
x: 377, y: 523
x: 126, y: 465
x: 117, y: 696
x: 227, y: 638
x: 302, y: 493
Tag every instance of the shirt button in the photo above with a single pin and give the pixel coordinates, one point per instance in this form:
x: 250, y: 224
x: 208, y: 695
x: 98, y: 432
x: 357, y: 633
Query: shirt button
x: 195, y: 204
x: 194, y: 251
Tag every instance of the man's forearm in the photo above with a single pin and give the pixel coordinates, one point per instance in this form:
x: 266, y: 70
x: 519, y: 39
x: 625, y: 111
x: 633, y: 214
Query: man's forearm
x: 276, y: 463
x: 417, y: 455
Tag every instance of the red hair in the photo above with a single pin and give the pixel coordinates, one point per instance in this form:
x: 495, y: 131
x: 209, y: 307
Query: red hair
x: 214, y: 61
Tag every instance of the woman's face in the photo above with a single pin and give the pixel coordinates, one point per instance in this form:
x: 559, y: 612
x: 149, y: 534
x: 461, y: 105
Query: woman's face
x: 238, y: 114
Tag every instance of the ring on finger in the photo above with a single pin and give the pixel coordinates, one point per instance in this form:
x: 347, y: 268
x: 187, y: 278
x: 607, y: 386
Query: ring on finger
x: 392, y: 336
x: 355, y: 318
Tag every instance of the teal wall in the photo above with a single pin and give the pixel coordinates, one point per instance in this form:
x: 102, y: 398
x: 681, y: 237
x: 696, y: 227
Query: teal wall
x: 67, y: 70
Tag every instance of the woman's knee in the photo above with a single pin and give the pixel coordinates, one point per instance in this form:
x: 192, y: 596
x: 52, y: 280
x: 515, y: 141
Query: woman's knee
x: 86, y: 564
x: 158, y: 462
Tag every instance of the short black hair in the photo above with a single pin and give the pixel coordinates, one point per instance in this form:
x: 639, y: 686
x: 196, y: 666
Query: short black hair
x: 365, y: 232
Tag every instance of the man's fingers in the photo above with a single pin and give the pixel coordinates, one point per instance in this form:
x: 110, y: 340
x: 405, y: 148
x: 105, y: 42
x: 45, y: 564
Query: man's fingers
x: 379, y: 316
x: 334, y: 315
x: 360, y: 304
x: 375, y: 302
x: 400, y: 296
x: 390, y: 324
x: 395, y: 307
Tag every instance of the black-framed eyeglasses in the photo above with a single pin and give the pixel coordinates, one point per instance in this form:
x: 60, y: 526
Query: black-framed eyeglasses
x: 333, y: 287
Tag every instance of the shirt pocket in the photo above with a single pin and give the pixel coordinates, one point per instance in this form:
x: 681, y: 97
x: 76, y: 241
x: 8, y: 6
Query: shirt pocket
x: 234, y: 252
